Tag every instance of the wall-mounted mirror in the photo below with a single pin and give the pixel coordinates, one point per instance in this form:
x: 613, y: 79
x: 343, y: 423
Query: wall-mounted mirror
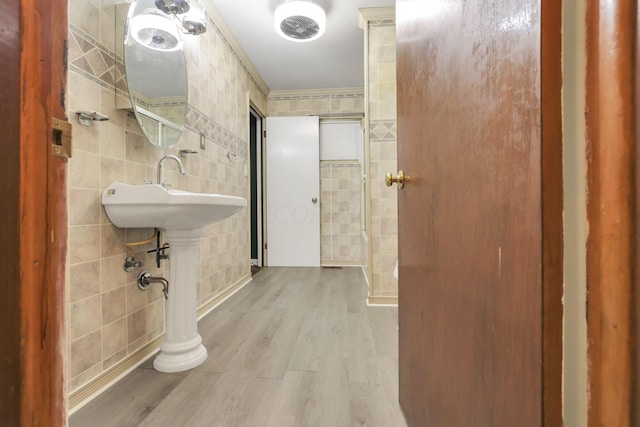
x: 156, y: 72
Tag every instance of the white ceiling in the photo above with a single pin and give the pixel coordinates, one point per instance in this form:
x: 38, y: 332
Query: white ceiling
x: 335, y: 60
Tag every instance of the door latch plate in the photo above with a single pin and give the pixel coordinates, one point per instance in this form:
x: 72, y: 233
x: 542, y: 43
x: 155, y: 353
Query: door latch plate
x: 62, y: 143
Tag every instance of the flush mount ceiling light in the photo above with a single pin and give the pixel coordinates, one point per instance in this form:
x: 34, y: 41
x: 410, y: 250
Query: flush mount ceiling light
x: 299, y: 20
x: 156, y: 31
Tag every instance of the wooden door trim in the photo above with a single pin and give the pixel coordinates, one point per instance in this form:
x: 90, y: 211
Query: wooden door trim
x: 636, y: 384
x: 34, y: 213
x: 611, y: 252
x: 552, y: 212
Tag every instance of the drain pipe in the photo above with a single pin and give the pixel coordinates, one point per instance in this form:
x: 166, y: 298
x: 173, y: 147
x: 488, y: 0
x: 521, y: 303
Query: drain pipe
x: 145, y: 279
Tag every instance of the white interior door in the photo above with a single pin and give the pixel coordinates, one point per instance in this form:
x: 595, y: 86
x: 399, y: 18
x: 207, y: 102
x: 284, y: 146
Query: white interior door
x: 293, y: 191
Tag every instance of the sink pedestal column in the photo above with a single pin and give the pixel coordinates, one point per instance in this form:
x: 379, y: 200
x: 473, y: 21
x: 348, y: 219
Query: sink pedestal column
x: 182, y: 348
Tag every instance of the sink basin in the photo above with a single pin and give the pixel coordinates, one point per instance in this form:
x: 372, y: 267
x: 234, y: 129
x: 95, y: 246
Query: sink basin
x: 182, y: 216
x: 151, y: 205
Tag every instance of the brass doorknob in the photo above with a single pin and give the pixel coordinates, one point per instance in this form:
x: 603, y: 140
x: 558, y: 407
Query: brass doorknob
x: 390, y: 179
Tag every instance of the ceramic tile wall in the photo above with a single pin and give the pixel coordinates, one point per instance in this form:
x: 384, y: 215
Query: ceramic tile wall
x: 108, y: 317
x: 340, y: 223
x: 382, y: 155
x: 326, y: 104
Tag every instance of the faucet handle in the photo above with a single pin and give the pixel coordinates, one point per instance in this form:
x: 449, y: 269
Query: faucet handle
x: 166, y: 185
x: 149, y: 181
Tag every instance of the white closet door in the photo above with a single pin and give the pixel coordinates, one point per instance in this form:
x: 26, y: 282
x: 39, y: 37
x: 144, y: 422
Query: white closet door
x: 293, y: 191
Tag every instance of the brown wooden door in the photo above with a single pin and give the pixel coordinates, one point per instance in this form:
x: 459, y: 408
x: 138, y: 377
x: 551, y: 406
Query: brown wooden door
x: 480, y: 225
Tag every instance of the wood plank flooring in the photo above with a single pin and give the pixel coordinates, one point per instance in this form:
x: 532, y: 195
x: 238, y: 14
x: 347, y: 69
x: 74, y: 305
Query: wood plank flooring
x: 295, y: 347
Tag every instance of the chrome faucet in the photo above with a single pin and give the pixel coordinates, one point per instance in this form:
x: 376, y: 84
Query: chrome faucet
x: 161, y: 167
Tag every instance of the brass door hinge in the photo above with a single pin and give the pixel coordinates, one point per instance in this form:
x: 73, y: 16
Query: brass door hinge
x: 61, y: 145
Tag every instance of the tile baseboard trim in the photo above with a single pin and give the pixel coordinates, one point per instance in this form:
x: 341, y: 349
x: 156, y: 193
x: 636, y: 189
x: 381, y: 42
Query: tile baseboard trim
x: 382, y: 301
x: 340, y: 263
x: 89, y: 391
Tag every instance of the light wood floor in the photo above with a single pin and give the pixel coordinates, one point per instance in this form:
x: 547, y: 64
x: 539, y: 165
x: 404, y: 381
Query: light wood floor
x: 295, y: 347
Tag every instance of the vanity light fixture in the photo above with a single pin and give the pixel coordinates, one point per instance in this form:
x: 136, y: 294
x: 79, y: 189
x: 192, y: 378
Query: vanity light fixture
x: 156, y: 30
x: 299, y: 20
x: 174, y: 7
x: 194, y: 21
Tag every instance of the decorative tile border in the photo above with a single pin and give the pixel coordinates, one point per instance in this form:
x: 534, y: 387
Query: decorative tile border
x: 383, y: 130
x: 300, y: 97
x: 339, y: 164
x: 95, y: 61
x: 200, y: 123
x: 326, y: 102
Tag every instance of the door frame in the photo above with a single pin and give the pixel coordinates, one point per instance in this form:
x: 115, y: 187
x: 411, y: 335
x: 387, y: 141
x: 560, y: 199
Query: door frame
x: 552, y: 198
x: 259, y: 173
x: 34, y: 213
x: 613, y: 192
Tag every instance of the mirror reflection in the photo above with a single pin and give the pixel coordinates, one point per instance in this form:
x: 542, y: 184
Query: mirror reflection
x: 156, y: 72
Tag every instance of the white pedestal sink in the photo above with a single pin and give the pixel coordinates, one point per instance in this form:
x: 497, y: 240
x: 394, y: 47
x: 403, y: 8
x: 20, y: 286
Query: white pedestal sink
x: 182, y: 216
